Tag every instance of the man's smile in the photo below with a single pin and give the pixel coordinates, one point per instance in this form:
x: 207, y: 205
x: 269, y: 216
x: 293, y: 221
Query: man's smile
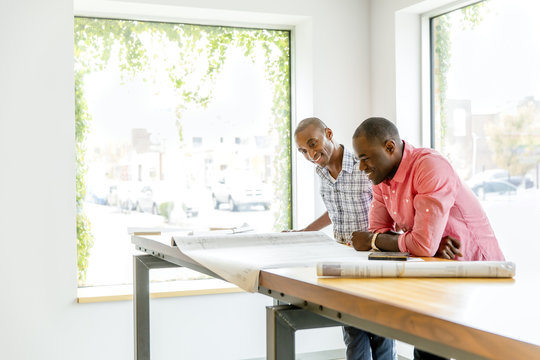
x: 369, y: 173
x: 317, y: 158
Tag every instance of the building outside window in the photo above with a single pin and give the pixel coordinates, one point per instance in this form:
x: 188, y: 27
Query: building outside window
x: 160, y: 109
x: 486, y: 109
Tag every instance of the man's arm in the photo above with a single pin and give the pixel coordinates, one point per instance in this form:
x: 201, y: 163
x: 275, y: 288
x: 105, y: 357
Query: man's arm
x: 320, y: 223
x: 380, y: 220
x: 435, y: 186
x: 448, y: 247
x: 361, y: 241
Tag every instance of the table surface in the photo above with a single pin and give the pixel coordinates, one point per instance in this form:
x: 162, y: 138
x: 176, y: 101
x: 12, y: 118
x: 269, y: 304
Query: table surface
x: 491, y: 318
x: 488, y: 318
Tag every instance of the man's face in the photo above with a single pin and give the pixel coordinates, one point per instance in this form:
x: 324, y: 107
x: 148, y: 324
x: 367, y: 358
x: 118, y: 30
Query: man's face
x: 376, y: 159
x: 315, y: 144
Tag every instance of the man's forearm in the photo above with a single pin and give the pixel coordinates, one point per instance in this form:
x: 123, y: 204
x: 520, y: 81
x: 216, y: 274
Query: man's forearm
x: 320, y: 223
x: 387, y: 242
x: 361, y: 241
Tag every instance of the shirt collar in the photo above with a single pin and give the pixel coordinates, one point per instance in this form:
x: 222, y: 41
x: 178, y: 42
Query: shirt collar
x: 405, y: 163
x: 349, y: 161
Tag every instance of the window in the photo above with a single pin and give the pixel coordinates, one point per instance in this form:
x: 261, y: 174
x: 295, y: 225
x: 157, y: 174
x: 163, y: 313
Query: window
x: 177, y: 126
x: 486, y: 109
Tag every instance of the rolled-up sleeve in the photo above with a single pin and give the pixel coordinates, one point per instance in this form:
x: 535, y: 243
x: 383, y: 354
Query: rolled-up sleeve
x: 436, y: 185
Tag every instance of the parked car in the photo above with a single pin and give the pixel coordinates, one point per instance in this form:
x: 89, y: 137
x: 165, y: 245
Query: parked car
x: 241, y: 189
x: 500, y: 175
x: 157, y: 197
x: 532, y: 178
x: 493, y: 186
x: 493, y: 181
x: 128, y: 194
x: 112, y: 195
x: 96, y: 194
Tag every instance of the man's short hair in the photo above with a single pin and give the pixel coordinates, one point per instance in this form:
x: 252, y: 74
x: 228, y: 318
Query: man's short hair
x: 310, y: 121
x: 377, y: 128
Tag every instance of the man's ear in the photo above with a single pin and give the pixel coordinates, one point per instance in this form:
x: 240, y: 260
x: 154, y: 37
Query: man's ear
x: 329, y: 133
x: 390, y: 146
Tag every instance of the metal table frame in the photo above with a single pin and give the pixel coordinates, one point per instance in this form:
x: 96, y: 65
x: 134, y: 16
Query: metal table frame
x: 282, y: 321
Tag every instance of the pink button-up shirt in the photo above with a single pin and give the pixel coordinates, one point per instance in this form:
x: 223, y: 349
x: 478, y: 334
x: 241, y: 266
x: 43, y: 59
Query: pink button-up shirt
x: 427, y: 201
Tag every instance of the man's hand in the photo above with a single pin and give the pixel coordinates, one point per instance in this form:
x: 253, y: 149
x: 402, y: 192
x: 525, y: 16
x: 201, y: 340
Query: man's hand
x: 361, y: 240
x: 449, y: 248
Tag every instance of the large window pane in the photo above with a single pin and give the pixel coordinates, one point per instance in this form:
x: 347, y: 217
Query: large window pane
x: 178, y: 126
x: 486, y: 109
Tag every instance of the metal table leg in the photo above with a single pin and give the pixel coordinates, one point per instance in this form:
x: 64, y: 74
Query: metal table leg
x: 282, y: 321
x: 141, y: 301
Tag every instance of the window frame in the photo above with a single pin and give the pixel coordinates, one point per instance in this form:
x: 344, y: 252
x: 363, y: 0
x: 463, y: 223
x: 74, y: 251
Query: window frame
x: 426, y: 64
x: 177, y: 14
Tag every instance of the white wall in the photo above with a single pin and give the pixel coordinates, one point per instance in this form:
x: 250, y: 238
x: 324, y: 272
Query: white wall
x: 37, y: 196
x: 396, y: 72
x: 40, y: 319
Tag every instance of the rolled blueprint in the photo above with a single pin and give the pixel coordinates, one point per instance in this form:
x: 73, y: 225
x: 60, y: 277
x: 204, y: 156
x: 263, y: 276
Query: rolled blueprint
x: 458, y: 269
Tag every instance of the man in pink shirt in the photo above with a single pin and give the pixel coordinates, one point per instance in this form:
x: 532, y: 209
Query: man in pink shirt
x: 420, y: 205
x: 418, y: 199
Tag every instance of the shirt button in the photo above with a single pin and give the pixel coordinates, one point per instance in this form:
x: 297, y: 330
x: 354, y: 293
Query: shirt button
x: 386, y: 197
x: 406, y: 200
x: 393, y: 191
x: 395, y: 213
x: 427, y: 210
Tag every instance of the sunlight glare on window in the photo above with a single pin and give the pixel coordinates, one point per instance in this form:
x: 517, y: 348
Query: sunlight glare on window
x: 179, y: 126
x: 486, y: 109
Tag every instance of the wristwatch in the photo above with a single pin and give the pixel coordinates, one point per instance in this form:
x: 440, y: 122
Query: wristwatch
x: 373, y: 238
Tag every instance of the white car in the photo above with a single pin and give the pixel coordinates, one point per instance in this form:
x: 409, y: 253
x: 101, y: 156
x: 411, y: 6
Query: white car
x: 240, y: 190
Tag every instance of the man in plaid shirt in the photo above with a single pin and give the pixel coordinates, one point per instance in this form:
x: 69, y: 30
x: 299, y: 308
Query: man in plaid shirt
x: 347, y: 194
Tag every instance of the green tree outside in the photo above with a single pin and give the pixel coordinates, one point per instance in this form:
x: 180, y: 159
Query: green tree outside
x: 514, y: 138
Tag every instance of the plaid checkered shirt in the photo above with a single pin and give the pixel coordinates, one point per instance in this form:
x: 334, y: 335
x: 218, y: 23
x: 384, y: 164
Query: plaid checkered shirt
x: 346, y: 198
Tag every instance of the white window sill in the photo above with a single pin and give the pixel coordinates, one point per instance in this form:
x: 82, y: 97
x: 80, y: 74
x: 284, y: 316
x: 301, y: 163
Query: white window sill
x: 163, y: 289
